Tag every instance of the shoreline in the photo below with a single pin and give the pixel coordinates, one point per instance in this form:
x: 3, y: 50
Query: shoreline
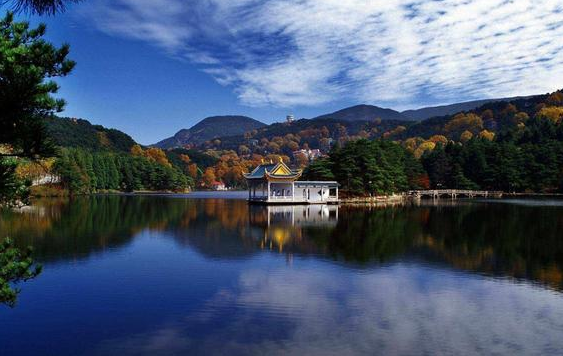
x: 393, y: 198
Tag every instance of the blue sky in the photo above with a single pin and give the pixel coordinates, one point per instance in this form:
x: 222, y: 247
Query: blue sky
x: 151, y: 67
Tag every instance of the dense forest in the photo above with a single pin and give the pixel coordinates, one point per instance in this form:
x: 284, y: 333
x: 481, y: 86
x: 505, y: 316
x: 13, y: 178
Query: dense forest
x: 526, y: 159
x: 370, y: 167
x: 285, y: 138
x: 83, y: 172
x: 91, y: 158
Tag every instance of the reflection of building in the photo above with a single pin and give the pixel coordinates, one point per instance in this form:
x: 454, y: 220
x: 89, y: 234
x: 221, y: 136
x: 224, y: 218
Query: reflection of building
x: 296, y: 215
x: 276, y: 183
x: 280, y: 226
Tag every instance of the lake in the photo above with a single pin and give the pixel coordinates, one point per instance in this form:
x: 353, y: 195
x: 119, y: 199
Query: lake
x: 206, y: 274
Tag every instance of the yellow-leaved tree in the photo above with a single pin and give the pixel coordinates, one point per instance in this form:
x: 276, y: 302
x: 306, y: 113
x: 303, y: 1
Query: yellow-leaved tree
x: 157, y: 155
x: 439, y: 139
x: 464, y: 122
x: 425, y: 146
x: 552, y: 113
x: 466, y: 136
x: 487, y: 135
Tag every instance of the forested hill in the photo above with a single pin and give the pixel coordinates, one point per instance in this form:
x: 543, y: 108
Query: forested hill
x: 284, y: 138
x: 79, y: 133
x: 484, y: 121
x: 364, y: 113
x: 360, y: 121
x: 92, y: 158
x: 444, y: 110
x: 493, y: 117
x: 370, y: 112
x: 210, y: 128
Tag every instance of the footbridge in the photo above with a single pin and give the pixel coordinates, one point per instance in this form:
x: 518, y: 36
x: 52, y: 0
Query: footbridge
x: 454, y: 193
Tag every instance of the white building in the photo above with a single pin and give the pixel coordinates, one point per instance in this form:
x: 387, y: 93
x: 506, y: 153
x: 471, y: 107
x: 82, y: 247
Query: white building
x: 276, y: 183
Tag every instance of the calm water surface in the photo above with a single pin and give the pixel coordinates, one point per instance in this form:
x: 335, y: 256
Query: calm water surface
x: 201, y: 275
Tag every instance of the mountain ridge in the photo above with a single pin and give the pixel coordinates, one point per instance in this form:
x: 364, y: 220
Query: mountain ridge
x: 81, y: 133
x: 428, y: 112
x: 209, y: 128
x: 204, y: 131
x: 363, y: 112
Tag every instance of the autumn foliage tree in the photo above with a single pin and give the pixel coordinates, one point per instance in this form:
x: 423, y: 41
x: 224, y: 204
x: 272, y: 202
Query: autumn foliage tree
x: 209, y: 177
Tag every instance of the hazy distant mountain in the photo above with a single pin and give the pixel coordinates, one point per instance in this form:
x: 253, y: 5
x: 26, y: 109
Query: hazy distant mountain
x: 364, y: 113
x: 443, y: 110
x: 209, y: 128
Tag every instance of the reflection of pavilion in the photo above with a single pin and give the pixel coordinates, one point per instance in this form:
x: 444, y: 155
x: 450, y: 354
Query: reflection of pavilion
x: 281, y: 225
x: 294, y: 215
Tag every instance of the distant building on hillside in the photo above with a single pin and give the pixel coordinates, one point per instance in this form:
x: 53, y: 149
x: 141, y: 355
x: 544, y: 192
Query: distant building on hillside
x: 310, y: 154
x: 289, y: 118
x: 218, y: 186
x: 46, y: 179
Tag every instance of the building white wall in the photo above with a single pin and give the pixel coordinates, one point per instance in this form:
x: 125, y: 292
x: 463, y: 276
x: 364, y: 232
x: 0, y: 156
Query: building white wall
x: 277, y: 188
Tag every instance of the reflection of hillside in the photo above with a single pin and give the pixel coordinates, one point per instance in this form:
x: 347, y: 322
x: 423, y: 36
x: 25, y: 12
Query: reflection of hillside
x: 69, y: 229
x: 216, y: 228
x: 497, y: 239
x: 364, y: 234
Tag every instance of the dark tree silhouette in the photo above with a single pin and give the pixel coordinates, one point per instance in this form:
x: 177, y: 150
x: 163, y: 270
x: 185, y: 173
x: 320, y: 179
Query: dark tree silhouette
x: 39, y: 7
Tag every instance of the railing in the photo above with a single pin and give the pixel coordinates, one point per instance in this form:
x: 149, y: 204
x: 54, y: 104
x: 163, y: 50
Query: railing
x: 284, y: 198
x: 288, y: 199
x: 436, y: 193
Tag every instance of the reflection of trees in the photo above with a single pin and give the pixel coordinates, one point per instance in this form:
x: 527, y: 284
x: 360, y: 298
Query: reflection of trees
x: 217, y: 228
x: 74, y: 228
x: 520, y: 241
x: 500, y: 239
x: 368, y: 234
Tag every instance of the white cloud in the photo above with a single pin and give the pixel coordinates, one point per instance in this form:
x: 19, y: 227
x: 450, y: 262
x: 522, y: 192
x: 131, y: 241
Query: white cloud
x: 393, y: 52
x: 396, y: 310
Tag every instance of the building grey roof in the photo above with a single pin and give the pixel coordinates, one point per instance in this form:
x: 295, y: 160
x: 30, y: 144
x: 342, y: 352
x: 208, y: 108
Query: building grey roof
x: 261, y: 170
x: 265, y: 170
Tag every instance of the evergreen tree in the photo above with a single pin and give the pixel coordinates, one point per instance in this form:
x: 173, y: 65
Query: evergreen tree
x: 27, y: 62
x: 40, y: 7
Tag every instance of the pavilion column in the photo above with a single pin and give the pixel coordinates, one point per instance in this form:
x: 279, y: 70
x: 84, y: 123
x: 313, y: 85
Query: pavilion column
x: 293, y: 191
x: 337, y: 193
x: 268, y: 190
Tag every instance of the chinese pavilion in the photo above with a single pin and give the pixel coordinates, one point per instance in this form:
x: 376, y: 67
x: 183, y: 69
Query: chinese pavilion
x: 276, y: 183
